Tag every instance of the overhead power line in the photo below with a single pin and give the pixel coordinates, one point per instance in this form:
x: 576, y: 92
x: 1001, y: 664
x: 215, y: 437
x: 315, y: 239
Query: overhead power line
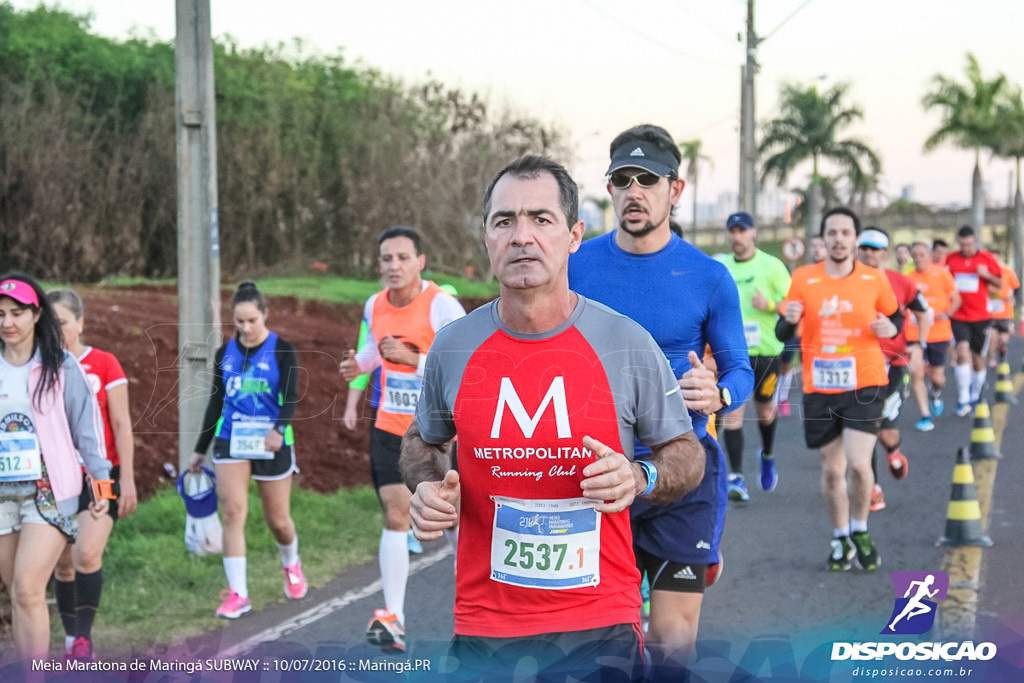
x: 653, y: 41
x: 784, y: 21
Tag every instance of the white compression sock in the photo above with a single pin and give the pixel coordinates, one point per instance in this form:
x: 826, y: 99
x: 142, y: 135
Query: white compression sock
x: 963, y: 382
x: 394, y: 570
x: 290, y: 552
x: 785, y: 382
x: 977, y: 382
x: 234, y: 568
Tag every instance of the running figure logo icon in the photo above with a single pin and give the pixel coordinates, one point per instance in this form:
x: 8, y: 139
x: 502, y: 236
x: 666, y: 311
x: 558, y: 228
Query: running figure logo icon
x: 914, y: 612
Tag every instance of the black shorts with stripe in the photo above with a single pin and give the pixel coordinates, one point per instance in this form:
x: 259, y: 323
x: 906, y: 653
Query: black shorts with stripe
x: 280, y: 466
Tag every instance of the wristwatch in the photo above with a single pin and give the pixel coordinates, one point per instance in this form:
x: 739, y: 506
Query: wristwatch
x: 652, y: 475
x: 724, y: 396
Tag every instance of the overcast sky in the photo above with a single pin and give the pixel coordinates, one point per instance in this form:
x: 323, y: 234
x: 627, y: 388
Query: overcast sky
x: 596, y: 67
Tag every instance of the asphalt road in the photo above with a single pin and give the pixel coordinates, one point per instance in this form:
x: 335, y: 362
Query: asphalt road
x: 775, y: 612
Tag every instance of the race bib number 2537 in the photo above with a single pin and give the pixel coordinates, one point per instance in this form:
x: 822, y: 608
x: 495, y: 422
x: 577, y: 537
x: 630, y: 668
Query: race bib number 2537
x: 547, y: 544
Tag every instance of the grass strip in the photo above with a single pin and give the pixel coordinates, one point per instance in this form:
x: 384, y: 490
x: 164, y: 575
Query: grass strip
x: 156, y: 591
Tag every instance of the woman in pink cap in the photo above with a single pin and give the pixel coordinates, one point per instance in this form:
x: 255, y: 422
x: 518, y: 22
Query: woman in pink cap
x: 47, y: 411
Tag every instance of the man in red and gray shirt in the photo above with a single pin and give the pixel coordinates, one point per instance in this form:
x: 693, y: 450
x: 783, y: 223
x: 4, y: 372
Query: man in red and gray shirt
x: 974, y: 270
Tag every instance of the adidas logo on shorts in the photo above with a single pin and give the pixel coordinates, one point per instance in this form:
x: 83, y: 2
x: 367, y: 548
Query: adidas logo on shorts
x: 685, y: 573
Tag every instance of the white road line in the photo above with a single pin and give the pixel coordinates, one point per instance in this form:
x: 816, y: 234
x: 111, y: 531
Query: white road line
x: 324, y: 609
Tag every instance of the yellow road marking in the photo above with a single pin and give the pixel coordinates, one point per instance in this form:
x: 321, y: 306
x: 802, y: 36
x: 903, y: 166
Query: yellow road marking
x: 963, y: 565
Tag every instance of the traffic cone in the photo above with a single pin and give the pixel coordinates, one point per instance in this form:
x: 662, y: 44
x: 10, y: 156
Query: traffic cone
x: 1004, y: 385
x: 963, y: 518
x: 983, y: 437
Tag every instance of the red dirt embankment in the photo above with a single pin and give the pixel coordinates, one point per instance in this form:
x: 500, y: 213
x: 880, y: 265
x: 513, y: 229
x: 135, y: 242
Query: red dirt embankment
x: 139, y: 326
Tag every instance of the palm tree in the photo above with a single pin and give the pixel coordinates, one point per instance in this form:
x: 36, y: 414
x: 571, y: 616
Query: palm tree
x: 969, y: 121
x: 693, y: 156
x: 1010, y: 144
x: 809, y: 126
x: 863, y: 187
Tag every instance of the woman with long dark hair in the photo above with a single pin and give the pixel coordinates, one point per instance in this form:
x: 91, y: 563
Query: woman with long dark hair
x: 255, y: 391
x: 47, y: 412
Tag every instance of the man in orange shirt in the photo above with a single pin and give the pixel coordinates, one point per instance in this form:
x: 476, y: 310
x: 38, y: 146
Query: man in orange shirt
x: 401, y: 321
x: 1000, y: 310
x: 845, y: 308
x: 937, y: 286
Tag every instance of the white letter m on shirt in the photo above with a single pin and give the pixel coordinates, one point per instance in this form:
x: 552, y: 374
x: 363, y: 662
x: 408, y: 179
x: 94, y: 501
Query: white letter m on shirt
x: 527, y: 423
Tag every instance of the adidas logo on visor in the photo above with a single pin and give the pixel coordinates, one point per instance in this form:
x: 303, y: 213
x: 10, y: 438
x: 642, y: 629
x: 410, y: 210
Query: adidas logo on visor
x: 637, y: 152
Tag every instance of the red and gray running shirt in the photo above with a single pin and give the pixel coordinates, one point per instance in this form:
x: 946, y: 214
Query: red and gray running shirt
x: 534, y: 556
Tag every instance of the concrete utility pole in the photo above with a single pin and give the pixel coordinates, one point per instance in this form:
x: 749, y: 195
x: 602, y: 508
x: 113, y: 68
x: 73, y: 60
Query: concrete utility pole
x: 748, y: 143
x: 199, y: 329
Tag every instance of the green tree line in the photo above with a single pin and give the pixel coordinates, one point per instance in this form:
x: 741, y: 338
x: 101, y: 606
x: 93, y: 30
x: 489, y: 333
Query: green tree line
x: 315, y: 156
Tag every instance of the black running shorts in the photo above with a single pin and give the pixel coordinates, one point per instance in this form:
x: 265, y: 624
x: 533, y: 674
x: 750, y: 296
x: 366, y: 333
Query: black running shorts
x: 385, y: 450
x: 974, y: 333
x: 280, y: 466
x: 936, y: 354
x: 896, y: 394
x: 766, y: 377
x: 85, y: 498
x: 827, y: 415
x: 678, y: 577
x: 610, y: 653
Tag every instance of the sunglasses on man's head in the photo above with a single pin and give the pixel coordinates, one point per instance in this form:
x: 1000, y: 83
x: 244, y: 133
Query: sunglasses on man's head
x: 622, y: 180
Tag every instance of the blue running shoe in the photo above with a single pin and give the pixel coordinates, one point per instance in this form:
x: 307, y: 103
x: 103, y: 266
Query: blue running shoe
x: 415, y: 547
x: 769, y: 475
x: 937, y: 405
x: 925, y: 424
x: 738, y: 488
x: 963, y: 409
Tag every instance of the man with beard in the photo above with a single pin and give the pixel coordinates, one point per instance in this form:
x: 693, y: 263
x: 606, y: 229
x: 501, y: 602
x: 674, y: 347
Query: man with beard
x: 846, y: 308
x: 687, y: 301
x: 763, y: 281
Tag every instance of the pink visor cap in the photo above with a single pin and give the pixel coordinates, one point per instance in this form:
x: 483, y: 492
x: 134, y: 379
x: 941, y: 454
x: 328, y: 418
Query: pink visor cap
x: 20, y: 291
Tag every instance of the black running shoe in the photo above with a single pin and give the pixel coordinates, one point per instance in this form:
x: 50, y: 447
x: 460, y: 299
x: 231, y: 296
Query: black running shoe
x: 841, y: 557
x: 867, y: 554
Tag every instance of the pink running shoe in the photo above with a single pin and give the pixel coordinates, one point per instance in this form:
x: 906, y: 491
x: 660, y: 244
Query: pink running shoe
x: 234, y: 605
x: 295, y: 586
x: 81, y: 650
x: 784, y: 408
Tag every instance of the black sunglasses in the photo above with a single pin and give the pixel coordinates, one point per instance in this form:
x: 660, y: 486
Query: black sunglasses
x: 622, y: 180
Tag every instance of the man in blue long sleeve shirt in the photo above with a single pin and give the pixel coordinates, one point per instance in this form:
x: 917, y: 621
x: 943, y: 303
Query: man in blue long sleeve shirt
x: 687, y: 301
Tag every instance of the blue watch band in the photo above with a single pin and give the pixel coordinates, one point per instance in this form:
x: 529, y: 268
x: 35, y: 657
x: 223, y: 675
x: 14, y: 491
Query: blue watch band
x: 652, y: 476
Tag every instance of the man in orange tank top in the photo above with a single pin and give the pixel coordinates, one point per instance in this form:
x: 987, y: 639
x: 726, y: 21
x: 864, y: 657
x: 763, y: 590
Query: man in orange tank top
x: 401, y: 322
x: 845, y: 308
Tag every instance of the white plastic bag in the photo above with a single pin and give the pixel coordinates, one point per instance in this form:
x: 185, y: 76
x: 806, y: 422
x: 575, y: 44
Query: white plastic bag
x: 203, y: 534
